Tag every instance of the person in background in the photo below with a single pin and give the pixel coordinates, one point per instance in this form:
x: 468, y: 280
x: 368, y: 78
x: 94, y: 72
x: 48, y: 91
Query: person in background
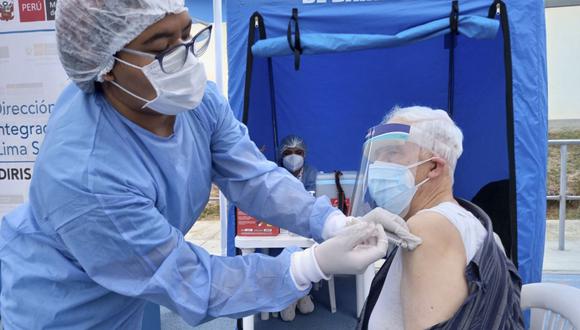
x: 292, y: 157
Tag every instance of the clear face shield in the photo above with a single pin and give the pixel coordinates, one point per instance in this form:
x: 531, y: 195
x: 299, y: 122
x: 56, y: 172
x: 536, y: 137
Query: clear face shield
x: 387, y: 173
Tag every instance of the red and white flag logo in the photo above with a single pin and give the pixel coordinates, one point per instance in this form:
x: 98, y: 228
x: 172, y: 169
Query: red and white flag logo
x: 31, y: 11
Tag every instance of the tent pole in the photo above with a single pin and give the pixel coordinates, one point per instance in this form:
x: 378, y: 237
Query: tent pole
x: 453, y: 21
x: 218, y: 39
x: 218, y: 35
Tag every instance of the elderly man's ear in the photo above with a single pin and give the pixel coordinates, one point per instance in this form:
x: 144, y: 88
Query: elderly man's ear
x: 438, y: 166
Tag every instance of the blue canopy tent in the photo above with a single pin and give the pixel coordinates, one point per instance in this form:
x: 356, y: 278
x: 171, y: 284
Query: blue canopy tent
x: 330, y: 69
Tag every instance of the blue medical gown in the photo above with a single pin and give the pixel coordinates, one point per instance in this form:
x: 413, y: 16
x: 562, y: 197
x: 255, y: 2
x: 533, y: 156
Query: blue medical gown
x: 110, y: 203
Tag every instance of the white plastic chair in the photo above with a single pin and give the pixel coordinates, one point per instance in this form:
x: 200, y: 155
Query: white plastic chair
x: 553, y: 306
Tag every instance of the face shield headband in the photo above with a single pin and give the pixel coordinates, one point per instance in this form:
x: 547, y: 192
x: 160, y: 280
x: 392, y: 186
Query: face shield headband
x: 386, y: 143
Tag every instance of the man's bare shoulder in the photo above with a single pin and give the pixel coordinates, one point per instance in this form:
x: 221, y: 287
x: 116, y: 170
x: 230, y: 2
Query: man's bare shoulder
x: 434, y: 229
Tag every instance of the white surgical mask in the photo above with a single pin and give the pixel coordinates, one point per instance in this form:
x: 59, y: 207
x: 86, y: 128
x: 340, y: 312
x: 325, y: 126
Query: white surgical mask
x: 176, y: 92
x: 392, y: 186
x: 293, y: 162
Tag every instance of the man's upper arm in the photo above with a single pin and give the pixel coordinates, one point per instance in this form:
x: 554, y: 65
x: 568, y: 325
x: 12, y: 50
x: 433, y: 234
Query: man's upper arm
x: 432, y: 284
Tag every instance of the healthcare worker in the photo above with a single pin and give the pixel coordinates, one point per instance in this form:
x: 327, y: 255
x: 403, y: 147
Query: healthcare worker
x: 125, y: 168
x: 291, y: 156
x: 292, y: 152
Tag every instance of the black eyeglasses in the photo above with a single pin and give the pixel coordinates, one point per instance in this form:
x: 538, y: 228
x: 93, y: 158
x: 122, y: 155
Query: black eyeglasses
x: 173, y: 59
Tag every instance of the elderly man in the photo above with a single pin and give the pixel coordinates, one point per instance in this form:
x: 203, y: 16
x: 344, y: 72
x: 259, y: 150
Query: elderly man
x: 459, y: 278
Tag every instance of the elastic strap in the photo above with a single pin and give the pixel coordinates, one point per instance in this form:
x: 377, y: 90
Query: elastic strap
x: 454, y: 27
x: 294, y: 43
x: 132, y: 94
x: 341, y: 196
x: 127, y: 63
x: 499, y: 7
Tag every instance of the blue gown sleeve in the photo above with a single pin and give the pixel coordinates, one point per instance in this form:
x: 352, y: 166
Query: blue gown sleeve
x: 309, y: 177
x: 258, y: 186
x: 124, y: 244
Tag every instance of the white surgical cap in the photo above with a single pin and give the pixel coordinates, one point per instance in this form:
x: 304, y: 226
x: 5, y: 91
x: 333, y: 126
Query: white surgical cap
x: 291, y: 141
x: 433, y: 130
x: 90, y: 32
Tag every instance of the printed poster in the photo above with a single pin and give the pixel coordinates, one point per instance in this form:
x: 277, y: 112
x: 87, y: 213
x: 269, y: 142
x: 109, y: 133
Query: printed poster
x: 31, y: 80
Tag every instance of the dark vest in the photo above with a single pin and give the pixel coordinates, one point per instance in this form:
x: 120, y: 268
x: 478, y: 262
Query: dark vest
x: 494, y: 286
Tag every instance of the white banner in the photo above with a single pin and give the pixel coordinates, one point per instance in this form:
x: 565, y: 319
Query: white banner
x: 31, y: 80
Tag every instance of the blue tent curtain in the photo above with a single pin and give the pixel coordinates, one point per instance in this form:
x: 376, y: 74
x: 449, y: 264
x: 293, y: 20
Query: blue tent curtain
x: 360, y: 59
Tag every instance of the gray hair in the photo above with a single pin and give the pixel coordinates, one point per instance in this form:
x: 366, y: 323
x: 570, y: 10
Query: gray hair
x: 433, y: 130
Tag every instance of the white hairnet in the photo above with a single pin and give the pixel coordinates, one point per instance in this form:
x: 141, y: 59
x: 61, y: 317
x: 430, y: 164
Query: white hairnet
x: 90, y: 32
x: 433, y: 130
x: 291, y: 141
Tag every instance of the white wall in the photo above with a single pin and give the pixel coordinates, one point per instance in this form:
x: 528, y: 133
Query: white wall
x: 563, y: 46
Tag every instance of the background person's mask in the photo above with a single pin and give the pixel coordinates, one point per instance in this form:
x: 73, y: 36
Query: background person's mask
x: 392, y: 186
x: 176, y: 92
x: 293, y: 162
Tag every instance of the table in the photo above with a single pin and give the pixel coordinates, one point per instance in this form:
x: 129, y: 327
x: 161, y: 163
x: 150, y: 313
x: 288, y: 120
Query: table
x: 248, y: 244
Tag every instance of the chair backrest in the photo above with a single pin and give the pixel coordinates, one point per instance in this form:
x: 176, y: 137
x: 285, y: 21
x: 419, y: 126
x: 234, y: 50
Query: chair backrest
x: 494, y: 199
x: 553, y: 306
x: 479, y: 213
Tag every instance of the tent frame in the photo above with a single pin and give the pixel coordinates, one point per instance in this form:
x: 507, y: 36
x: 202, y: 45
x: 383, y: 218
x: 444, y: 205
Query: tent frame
x: 257, y: 31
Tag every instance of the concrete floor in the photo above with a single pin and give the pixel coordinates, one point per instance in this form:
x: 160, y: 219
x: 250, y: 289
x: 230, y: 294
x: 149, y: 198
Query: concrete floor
x: 568, y: 260
x: 207, y: 235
